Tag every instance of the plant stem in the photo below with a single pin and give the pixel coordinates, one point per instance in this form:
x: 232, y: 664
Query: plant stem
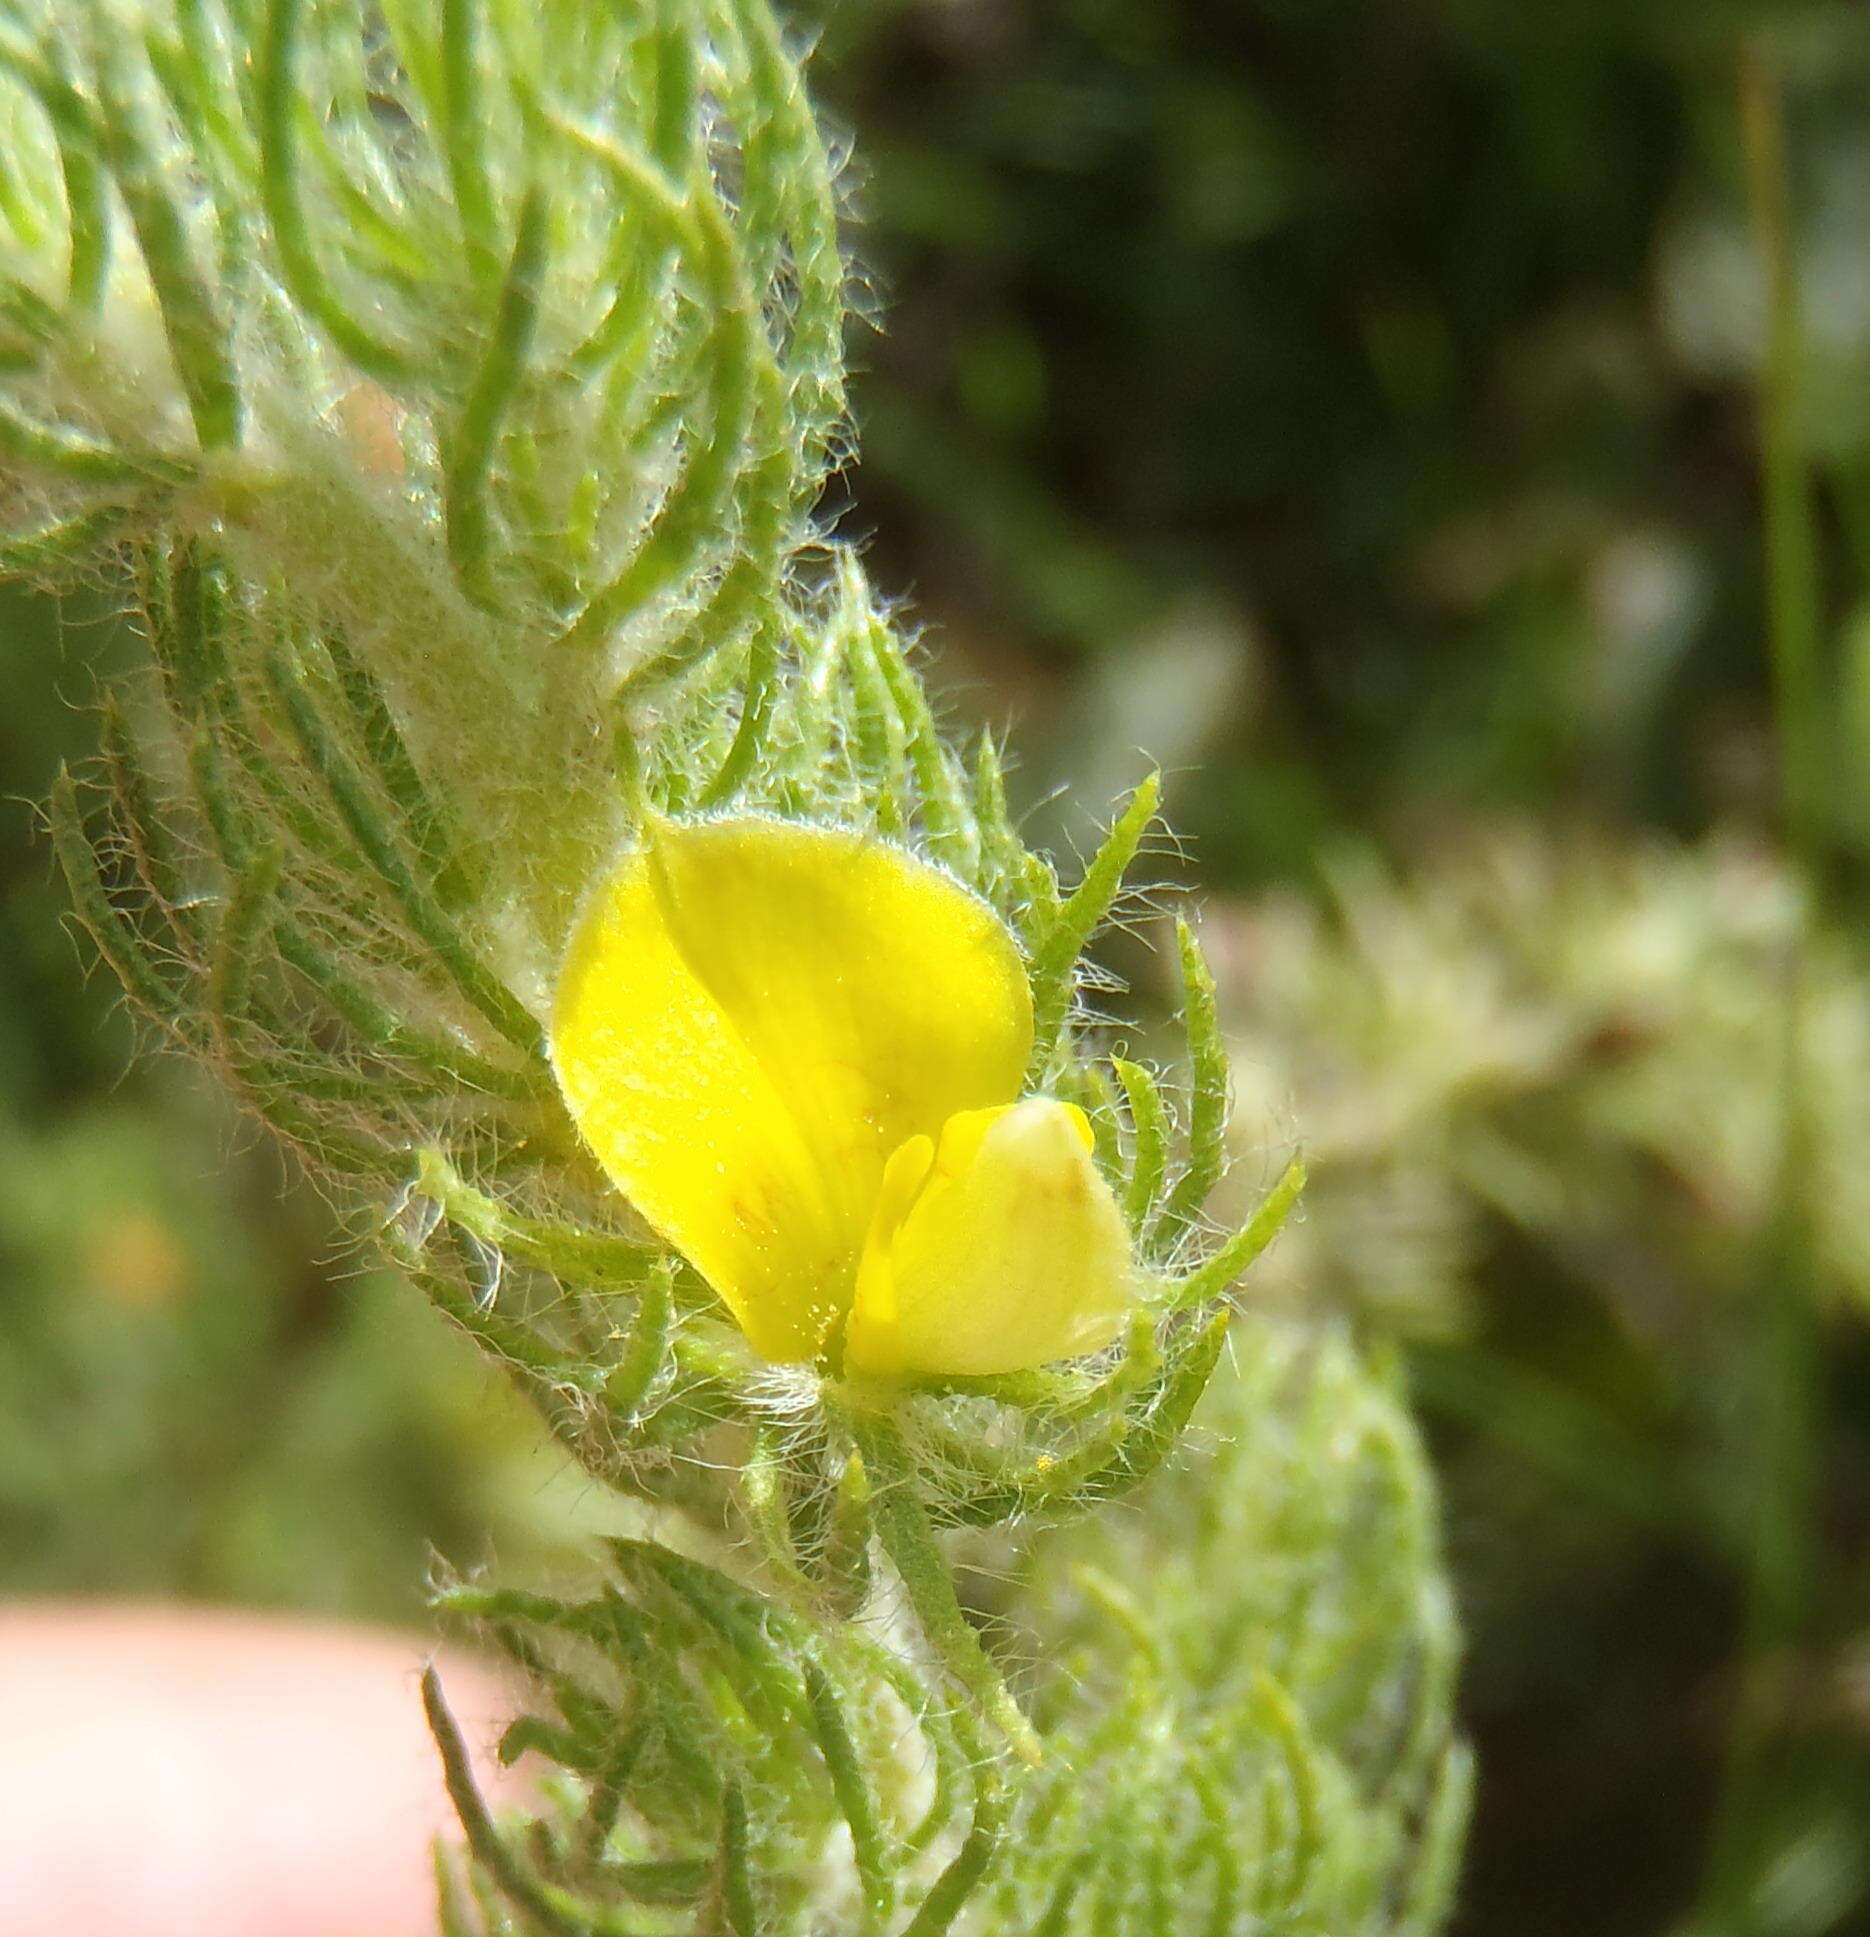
x: 1782, y: 1426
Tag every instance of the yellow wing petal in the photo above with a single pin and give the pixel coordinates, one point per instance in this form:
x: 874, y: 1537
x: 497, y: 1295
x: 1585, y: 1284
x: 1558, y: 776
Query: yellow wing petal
x: 751, y: 1016
x: 1015, y: 1254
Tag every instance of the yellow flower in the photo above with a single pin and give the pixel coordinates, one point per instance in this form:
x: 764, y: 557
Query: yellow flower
x: 798, y: 1051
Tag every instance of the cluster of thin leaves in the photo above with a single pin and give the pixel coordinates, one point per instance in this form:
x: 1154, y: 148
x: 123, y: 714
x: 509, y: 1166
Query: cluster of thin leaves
x: 506, y: 336
x: 675, y: 1696
x: 1275, y: 1757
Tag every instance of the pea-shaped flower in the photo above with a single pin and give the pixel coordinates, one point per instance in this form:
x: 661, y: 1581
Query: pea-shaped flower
x: 798, y: 1051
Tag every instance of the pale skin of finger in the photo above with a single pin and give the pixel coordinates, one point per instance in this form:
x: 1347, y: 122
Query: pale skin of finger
x: 170, y: 1772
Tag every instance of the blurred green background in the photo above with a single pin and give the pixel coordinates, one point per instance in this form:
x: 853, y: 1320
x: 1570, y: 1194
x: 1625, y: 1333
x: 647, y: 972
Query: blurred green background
x: 1355, y: 406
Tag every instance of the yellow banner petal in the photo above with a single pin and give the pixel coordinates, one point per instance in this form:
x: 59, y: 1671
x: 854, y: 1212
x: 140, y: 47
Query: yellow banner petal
x: 751, y: 1017
x: 1014, y: 1254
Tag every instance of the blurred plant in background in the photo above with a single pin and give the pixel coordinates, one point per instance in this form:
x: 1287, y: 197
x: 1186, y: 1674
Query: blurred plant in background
x: 1540, y: 1083
x: 1373, y: 381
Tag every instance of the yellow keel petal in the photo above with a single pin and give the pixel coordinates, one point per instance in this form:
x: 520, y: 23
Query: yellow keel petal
x: 1014, y: 1255
x: 751, y: 1017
